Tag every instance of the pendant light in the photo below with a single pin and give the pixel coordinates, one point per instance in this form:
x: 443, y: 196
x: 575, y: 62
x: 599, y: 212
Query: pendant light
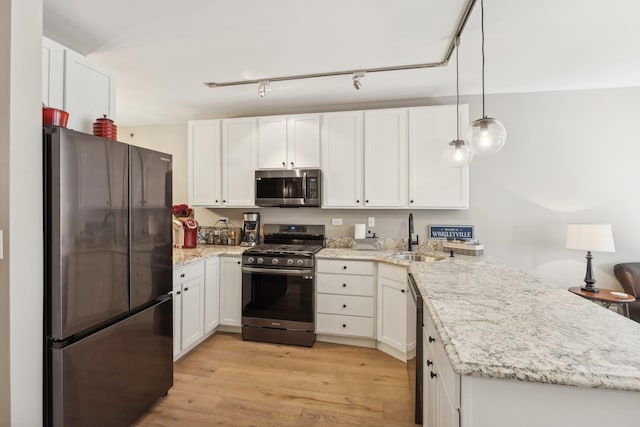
x: 458, y: 152
x: 486, y: 135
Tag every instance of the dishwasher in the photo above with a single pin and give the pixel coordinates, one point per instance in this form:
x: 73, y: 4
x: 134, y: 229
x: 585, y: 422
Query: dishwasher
x: 414, y: 365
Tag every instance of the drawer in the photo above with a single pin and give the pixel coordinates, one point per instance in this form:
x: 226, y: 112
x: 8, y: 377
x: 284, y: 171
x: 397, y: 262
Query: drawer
x: 399, y: 274
x: 348, y: 267
x: 344, y: 325
x: 345, y: 304
x: 188, y: 272
x: 345, y: 284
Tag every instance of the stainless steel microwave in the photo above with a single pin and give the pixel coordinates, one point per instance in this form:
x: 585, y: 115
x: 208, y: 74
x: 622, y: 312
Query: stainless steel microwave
x: 289, y: 188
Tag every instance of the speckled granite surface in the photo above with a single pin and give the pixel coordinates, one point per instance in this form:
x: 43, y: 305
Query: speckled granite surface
x: 496, y: 321
x: 186, y: 256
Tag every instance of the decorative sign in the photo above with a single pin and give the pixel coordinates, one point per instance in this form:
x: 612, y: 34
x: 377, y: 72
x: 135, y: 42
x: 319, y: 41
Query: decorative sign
x: 451, y: 232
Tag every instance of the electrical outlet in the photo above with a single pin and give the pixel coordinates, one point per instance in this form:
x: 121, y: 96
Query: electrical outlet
x: 336, y: 221
x: 372, y: 221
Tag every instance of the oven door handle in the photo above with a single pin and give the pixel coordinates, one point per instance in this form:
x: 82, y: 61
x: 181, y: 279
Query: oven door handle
x: 282, y: 271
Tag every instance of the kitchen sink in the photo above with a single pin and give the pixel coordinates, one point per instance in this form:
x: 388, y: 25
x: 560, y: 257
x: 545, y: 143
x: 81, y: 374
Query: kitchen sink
x: 415, y: 257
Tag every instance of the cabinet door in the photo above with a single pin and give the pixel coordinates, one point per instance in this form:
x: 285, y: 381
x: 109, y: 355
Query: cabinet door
x: 204, y: 156
x: 447, y: 412
x: 230, y: 291
x: 89, y: 92
x: 211, y: 294
x: 177, y: 321
x: 392, y: 314
x: 52, y: 74
x: 385, y: 154
x: 432, y: 182
x: 303, y: 142
x: 238, y: 161
x: 272, y: 142
x: 342, y: 159
x: 192, y: 318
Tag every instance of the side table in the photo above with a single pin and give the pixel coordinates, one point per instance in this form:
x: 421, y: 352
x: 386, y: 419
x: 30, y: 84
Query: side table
x: 606, y: 298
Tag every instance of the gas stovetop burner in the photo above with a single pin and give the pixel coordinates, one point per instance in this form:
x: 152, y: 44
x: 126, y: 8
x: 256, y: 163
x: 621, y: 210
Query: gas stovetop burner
x: 275, y: 249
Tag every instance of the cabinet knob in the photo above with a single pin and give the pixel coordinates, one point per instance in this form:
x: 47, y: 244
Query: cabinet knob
x: 366, y: 201
x: 411, y: 201
x: 357, y: 201
x: 433, y: 374
x: 344, y: 325
x: 431, y: 339
x: 182, y: 275
x: 178, y: 293
x: 186, y: 289
x: 224, y: 201
x: 402, y: 290
x: 238, y: 262
x: 344, y: 305
x: 344, y: 285
x: 216, y: 201
x: 292, y: 164
x: 284, y: 164
x: 429, y: 362
x: 344, y: 267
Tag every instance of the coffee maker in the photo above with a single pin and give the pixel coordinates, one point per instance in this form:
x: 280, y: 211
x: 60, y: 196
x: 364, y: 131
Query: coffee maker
x: 250, y: 229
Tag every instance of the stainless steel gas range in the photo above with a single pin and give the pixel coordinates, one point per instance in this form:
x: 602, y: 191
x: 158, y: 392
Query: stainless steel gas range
x: 278, y: 285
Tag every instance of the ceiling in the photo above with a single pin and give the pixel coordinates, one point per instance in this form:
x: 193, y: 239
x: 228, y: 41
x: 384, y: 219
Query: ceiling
x: 162, y: 51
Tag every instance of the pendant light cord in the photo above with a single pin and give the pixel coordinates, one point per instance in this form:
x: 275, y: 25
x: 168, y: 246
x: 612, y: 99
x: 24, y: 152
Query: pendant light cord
x: 457, y: 91
x: 482, y: 31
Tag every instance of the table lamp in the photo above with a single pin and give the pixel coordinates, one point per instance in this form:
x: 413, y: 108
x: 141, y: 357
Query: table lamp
x: 590, y: 237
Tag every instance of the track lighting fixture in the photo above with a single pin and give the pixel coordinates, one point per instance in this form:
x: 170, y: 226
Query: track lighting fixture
x: 486, y: 135
x: 464, y: 16
x: 357, y: 84
x: 458, y: 152
x: 262, y: 88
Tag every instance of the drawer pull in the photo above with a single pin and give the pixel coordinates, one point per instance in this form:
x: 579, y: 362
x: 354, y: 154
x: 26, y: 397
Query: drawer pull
x: 429, y: 362
x: 431, y: 339
x: 186, y: 289
x: 344, y: 285
x: 433, y: 374
x: 178, y: 293
x: 344, y: 305
x: 344, y: 325
x: 182, y: 275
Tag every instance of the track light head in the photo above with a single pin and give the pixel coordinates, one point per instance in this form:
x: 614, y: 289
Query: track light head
x: 357, y: 84
x: 262, y: 88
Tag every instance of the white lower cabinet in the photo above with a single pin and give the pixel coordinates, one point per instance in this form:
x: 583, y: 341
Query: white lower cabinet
x: 211, y: 294
x: 441, y: 385
x: 230, y: 291
x: 188, y: 287
x: 345, y: 298
x: 392, y: 318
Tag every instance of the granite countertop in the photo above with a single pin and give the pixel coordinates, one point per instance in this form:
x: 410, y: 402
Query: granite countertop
x: 186, y: 256
x: 496, y: 321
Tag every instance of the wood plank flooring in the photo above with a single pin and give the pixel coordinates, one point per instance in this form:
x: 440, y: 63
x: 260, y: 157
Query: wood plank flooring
x: 230, y: 382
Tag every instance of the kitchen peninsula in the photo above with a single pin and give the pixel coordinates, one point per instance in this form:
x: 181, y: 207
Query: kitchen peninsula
x: 522, y: 352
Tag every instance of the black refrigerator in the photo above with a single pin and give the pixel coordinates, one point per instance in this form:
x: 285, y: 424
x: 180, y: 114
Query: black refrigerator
x: 108, y: 328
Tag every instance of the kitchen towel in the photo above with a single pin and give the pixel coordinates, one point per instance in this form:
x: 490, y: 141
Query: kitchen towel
x: 359, y: 231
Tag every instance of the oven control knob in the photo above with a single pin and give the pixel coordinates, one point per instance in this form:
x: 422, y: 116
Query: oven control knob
x: 289, y: 261
x: 300, y: 262
x: 260, y: 260
x: 274, y: 261
x: 250, y: 260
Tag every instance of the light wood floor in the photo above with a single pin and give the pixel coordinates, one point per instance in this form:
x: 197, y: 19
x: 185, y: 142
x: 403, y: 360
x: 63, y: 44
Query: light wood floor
x: 230, y: 382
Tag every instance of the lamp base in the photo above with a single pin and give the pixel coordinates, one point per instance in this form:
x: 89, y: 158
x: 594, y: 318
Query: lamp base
x: 591, y: 288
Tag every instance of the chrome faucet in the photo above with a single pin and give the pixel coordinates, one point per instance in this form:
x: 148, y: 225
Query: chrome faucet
x: 411, y: 242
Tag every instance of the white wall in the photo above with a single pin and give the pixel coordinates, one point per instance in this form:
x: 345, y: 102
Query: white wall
x: 21, y: 270
x: 570, y: 157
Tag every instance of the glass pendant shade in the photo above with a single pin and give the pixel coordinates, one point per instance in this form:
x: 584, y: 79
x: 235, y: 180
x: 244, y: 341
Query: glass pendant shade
x: 458, y: 153
x: 487, y: 136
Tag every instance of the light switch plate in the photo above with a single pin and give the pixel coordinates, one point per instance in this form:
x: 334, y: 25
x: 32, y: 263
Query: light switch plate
x: 372, y: 221
x: 336, y: 221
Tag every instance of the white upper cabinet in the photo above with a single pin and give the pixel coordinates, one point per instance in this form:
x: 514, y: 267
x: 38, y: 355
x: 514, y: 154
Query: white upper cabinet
x: 289, y: 142
x: 433, y: 183
x: 385, y: 154
x: 89, y: 92
x: 342, y: 159
x: 239, y: 139
x: 52, y: 74
x: 204, y: 157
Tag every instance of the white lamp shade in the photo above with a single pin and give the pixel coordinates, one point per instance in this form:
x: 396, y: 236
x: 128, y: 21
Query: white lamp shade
x: 590, y: 237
